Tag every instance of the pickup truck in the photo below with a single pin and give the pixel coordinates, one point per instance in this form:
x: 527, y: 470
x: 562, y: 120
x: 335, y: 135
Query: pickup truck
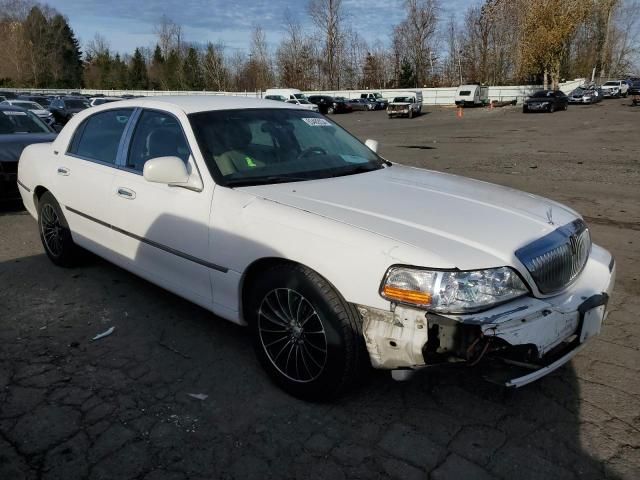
x: 405, y: 104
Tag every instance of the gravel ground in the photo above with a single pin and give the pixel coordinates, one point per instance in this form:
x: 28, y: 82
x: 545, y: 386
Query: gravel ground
x: 120, y: 408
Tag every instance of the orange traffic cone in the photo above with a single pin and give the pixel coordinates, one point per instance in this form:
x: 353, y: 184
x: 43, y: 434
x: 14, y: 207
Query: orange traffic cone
x: 460, y: 113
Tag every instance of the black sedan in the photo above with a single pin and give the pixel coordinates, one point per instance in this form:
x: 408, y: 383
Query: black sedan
x: 546, y: 101
x: 328, y: 104
x: 18, y: 128
x: 66, y: 107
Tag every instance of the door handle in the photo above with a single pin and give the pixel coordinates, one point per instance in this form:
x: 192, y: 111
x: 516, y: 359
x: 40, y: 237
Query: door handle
x: 126, y: 193
x: 63, y: 171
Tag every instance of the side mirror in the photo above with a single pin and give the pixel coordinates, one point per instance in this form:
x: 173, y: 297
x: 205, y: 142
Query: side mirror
x: 165, y: 170
x: 372, y: 144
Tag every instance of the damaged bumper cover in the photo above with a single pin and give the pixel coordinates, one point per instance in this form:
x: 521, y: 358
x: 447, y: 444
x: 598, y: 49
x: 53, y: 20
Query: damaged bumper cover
x: 538, y: 334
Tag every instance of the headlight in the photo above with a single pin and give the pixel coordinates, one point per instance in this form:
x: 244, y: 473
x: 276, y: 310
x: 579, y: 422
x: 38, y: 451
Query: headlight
x: 451, y: 291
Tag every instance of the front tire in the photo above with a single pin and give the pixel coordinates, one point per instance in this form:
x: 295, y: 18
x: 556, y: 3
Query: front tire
x: 54, y: 232
x: 305, y: 335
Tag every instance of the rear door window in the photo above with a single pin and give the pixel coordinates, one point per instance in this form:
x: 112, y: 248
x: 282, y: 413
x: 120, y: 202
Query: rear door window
x: 99, y: 135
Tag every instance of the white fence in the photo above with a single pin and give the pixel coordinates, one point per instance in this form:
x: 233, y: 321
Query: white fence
x: 430, y: 96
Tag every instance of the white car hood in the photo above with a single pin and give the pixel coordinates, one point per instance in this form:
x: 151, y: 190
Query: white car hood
x: 457, y: 222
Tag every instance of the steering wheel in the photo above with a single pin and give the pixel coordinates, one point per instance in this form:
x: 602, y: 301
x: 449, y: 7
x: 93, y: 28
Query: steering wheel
x: 311, y: 151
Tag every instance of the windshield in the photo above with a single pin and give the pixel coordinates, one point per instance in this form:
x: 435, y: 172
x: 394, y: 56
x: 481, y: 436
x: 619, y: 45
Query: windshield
x: 579, y: 91
x: 541, y: 94
x: 299, y: 96
x: 402, y: 100
x: 76, y: 104
x: 13, y: 121
x: 465, y: 93
x: 251, y: 147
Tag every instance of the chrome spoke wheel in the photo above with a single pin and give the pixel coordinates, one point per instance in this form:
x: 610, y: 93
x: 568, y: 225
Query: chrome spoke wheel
x: 292, y: 335
x: 52, y: 230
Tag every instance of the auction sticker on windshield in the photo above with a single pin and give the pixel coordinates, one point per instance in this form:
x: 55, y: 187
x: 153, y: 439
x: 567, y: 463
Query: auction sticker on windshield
x: 317, y: 122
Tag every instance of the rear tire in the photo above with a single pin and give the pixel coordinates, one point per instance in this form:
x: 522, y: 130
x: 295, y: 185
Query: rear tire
x: 552, y: 108
x: 55, y: 234
x: 305, y: 335
x: 410, y: 113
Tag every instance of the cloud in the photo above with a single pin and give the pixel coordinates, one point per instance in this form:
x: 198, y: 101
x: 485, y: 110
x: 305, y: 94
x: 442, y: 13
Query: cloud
x: 130, y: 23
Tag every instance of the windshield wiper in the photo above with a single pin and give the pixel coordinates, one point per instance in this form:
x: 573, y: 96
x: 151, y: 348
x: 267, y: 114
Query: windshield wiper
x: 244, y: 182
x: 355, y: 170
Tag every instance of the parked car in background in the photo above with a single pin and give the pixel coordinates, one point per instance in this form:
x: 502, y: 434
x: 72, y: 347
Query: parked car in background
x: 66, y: 107
x: 376, y: 99
x: 8, y: 95
x: 634, y: 91
x: 324, y: 102
x: 95, y: 101
x: 360, y: 104
x: 39, y: 99
x: 585, y: 95
x: 304, y: 104
x: 546, y: 101
x: 473, y: 95
x: 42, y: 113
x: 406, y: 104
x: 615, y: 89
x: 287, y: 93
x: 340, y: 105
x: 337, y: 260
x: 18, y: 128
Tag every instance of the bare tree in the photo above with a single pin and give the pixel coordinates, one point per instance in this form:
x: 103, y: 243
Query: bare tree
x: 169, y: 36
x: 295, y: 57
x: 327, y: 15
x: 416, y: 36
x: 215, y: 71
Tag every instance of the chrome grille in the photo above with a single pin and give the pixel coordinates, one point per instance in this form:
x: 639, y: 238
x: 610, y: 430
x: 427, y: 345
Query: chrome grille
x: 555, y: 260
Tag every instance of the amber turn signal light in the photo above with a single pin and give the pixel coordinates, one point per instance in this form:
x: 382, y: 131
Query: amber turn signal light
x: 406, y: 296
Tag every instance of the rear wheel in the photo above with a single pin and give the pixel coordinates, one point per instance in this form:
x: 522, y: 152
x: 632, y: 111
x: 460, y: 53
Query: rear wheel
x: 54, y: 232
x: 552, y: 108
x: 305, y: 335
x: 331, y: 110
x: 410, y: 113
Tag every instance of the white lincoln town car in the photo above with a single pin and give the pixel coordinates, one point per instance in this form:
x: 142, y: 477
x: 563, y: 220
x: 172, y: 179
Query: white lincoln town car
x: 273, y: 216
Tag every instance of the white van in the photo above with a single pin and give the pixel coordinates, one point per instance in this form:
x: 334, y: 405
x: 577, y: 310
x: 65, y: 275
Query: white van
x: 284, y: 94
x: 472, y: 96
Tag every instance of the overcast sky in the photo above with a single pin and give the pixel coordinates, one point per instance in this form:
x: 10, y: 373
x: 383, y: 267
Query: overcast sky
x: 127, y: 24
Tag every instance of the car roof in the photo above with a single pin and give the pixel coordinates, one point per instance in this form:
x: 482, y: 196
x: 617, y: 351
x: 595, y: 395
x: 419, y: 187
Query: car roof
x: 11, y: 108
x: 202, y: 103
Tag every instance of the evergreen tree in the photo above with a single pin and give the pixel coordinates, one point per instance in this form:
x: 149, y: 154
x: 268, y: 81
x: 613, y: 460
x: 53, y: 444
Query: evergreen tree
x: 407, y: 76
x: 171, y: 72
x: 192, y: 71
x: 65, y: 63
x: 156, y: 69
x: 138, y: 79
x: 35, y: 31
x: 118, y: 78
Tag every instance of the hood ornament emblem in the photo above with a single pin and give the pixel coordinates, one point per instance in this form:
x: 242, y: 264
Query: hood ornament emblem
x: 550, y: 216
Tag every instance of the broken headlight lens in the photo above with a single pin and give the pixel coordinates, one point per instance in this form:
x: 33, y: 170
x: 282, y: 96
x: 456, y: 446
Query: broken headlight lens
x: 451, y: 291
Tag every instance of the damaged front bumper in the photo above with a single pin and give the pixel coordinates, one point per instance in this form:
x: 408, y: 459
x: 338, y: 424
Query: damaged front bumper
x: 537, y: 334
